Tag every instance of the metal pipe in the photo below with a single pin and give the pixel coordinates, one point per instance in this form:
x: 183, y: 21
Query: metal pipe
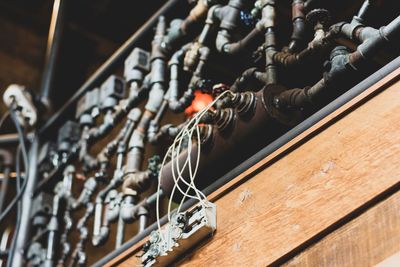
x: 142, y: 222
x: 11, y: 139
x: 4, y: 187
x: 107, y: 66
x: 53, y: 227
x: 225, y: 45
x: 175, y: 104
x: 269, y: 16
x: 180, y: 29
x: 268, y: 150
x: 117, y: 179
x: 299, y: 26
x: 52, y: 51
x: 319, y: 18
x: 234, y: 131
x: 6, y: 161
x: 343, y: 70
x: 154, y: 102
x: 143, y: 216
x: 228, y: 16
x: 343, y: 64
x: 120, y: 233
x: 25, y: 222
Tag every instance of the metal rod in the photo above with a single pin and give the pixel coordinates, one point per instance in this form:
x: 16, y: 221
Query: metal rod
x: 10, y: 139
x: 107, y: 66
x: 142, y: 222
x: 120, y: 232
x: 12, y: 175
x: 4, y: 187
x: 24, y: 224
x: 52, y: 51
x: 269, y: 149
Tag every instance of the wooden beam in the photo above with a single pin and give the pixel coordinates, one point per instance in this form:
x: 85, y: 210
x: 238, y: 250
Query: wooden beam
x: 311, y: 188
x: 370, y: 239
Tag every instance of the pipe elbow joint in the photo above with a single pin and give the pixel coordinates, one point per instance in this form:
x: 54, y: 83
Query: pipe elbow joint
x: 223, y: 38
x: 180, y: 105
x: 338, y: 66
x: 128, y: 210
x: 100, y: 239
x: 136, y: 182
x: 213, y: 14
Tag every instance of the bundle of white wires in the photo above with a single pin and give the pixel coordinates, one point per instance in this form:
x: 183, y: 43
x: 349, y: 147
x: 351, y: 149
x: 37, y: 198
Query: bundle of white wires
x: 191, y: 133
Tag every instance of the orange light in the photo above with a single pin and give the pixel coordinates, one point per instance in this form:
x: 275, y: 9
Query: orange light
x: 200, y: 101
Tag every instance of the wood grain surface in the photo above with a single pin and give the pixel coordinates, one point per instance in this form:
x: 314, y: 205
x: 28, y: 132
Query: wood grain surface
x: 308, y: 190
x: 370, y: 239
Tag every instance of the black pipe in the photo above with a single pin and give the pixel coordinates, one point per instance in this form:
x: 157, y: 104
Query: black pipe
x: 269, y: 149
x: 299, y: 26
x: 53, y: 47
x: 108, y: 66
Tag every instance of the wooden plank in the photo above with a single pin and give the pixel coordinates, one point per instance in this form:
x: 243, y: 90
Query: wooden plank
x: 392, y: 261
x: 304, y: 136
x: 308, y: 190
x: 366, y: 241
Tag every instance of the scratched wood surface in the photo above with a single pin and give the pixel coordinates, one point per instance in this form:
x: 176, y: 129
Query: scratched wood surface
x: 370, y: 239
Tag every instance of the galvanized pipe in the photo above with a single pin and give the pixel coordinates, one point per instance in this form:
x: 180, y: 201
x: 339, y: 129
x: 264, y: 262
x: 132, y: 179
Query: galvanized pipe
x: 25, y: 222
x: 53, y: 47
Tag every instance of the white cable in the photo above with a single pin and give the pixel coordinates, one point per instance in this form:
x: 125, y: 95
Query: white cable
x: 174, y: 151
x: 196, y: 120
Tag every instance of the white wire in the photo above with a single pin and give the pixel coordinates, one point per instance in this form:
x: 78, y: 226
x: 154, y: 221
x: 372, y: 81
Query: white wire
x: 196, y: 168
x: 196, y: 120
x: 195, y: 126
x: 199, y: 194
x: 174, y: 152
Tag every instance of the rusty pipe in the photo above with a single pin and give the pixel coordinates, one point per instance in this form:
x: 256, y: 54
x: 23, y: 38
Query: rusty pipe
x: 299, y: 26
x: 343, y: 68
x: 262, y: 122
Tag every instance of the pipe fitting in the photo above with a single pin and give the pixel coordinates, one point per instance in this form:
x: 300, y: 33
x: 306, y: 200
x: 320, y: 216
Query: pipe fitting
x: 101, y: 238
x: 128, y: 209
x: 136, y: 182
x: 299, y: 25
